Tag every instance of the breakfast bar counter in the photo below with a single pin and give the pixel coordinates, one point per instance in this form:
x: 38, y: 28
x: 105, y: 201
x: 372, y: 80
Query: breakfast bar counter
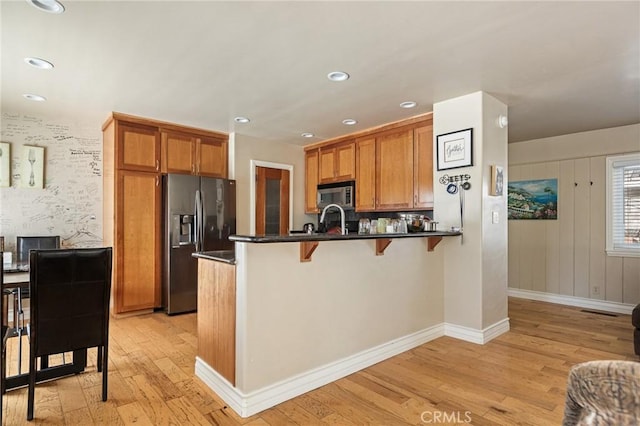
x: 297, y: 237
x: 274, y: 324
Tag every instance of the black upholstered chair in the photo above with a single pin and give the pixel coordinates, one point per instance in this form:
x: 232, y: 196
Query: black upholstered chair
x: 70, y: 291
x: 3, y: 337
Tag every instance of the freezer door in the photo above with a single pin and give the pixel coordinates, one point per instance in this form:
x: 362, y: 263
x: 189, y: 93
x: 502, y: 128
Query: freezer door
x: 219, y: 213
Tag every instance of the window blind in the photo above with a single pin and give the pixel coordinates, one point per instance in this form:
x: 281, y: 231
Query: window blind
x: 624, y: 187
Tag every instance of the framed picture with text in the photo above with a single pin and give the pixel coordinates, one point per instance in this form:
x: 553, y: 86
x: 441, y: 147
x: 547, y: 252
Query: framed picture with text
x: 455, y: 149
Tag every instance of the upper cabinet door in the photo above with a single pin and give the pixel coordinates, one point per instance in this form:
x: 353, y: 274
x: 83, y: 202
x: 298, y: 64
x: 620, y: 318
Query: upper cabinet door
x: 212, y: 158
x: 327, y: 170
x: 179, y: 153
x: 138, y: 148
x: 346, y: 161
x: 311, y: 181
x: 394, y: 170
x: 366, y: 174
x: 423, y: 167
x: 337, y: 163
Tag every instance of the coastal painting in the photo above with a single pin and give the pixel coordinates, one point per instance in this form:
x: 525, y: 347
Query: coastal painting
x: 533, y: 199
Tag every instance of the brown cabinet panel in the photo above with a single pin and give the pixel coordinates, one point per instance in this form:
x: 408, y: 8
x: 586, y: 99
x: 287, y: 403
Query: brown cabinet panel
x: 366, y: 174
x: 138, y: 148
x: 179, y: 153
x: 423, y: 167
x: 337, y: 163
x: 346, y: 162
x: 394, y: 171
x: 138, y: 235
x: 311, y: 160
x: 212, y: 157
x: 327, y: 170
x: 217, y: 317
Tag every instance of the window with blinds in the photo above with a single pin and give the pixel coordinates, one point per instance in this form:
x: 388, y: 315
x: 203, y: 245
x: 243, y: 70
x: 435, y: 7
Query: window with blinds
x: 623, y: 205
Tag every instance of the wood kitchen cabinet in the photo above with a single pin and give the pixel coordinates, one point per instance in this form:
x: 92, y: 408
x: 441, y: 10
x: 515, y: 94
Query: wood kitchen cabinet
x: 137, y: 280
x: 311, y: 159
x: 394, y: 170
x: 138, y: 147
x: 136, y: 153
x: 366, y: 174
x: 178, y: 153
x: 189, y: 154
x: 337, y: 163
x: 423, y: 167
x: 212, y: 157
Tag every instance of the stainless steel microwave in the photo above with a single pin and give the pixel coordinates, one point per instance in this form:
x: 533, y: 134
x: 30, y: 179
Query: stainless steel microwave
x: 341, y: 193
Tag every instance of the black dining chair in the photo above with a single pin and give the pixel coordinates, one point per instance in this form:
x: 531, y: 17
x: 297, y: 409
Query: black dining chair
x: 3, y: 336
x: 23, y: 245
x: 70, y: 290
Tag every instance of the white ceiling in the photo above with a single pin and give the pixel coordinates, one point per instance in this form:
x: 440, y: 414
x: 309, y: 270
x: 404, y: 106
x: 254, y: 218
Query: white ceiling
x: 561, y: 67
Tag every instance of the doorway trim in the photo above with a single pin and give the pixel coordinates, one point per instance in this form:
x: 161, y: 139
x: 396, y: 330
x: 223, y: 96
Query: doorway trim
x: 252, y: 190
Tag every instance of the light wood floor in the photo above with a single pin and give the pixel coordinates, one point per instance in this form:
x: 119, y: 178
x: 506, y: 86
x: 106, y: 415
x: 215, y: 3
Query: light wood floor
x: 518, y: 378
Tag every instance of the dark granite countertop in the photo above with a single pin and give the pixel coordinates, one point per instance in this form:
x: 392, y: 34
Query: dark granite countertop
x: 292, y: 238
x: 226, y: 256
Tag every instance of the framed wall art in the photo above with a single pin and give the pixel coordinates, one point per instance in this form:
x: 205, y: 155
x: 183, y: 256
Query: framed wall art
x: 533, y: 199
x: 455, y: 149
x: 5, y: 165
x: 497, y: 181
x: 32, y: 173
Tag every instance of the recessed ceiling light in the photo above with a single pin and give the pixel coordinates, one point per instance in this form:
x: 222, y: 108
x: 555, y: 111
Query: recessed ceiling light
x: 349, y: 121
x: 241, y: 120
x: 338, y: 76
x: 33, y: 97
x: 307, y: 135
x: 408, y: 104
x: 39, y: 63
x: 51, y: 6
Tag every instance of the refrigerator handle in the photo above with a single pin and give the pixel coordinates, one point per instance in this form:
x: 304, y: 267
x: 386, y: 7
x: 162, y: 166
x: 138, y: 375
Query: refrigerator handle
x: 203, y: 219
x: 198, y: 220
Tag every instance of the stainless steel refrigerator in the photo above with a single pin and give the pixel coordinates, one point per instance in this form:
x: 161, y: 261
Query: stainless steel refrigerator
x: 199, y: 216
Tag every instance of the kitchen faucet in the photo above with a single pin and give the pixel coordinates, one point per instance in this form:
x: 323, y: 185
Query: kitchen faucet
x: 343, y: 230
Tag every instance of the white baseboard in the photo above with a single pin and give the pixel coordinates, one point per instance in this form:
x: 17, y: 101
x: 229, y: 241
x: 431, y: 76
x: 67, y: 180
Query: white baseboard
x: 581, y: 302
x: 247, y: 404
x: 477, y: 336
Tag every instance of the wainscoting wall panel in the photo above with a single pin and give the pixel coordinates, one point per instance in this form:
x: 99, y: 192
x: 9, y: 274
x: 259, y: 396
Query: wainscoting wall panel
x: 567, y: 256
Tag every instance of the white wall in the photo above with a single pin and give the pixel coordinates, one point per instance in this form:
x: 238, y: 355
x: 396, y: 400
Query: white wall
x: 294, y: 317
x: 567, y: 256
x: 475, y: 265
x: 70, y: 204
x: 247, y: 149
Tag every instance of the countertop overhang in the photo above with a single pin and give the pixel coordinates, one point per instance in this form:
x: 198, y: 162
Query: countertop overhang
x: 309, y: 242
x: 226, y: 256
x: 295, y: 238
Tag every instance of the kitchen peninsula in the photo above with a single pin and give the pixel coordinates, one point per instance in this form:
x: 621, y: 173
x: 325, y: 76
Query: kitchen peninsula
x: 277, y: 323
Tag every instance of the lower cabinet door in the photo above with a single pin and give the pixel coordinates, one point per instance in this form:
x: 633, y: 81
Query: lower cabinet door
x: 138, y: 242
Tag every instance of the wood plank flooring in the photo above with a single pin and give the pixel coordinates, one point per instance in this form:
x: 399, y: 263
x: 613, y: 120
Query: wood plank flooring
x: 518, y: 378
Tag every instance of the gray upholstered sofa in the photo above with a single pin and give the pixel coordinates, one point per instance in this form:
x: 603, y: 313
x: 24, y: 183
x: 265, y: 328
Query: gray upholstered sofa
x: 603, y: 393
